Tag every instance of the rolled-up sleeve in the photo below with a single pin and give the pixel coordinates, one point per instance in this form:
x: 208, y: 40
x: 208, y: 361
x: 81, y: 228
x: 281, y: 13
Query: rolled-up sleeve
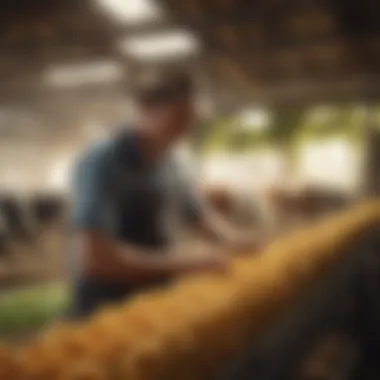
x: 191, y: 201
x: 193, y: 205
x: 91, y: 196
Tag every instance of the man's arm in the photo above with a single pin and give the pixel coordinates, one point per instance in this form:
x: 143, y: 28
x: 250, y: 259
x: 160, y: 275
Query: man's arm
x: 216, y: 228
x: 105, y: 259
x: 100, y: 255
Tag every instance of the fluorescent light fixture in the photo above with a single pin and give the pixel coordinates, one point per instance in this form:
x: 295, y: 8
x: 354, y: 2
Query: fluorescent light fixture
x: 254, y: 120
x: 59, y: 173
x: 165, y: 45
x: 73, y: 75
x: 131, y: 11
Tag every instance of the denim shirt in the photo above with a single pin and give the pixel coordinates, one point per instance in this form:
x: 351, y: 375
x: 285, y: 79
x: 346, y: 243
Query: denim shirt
x: 117, y: 193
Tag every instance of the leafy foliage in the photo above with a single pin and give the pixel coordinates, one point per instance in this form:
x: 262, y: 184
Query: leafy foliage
x: 25, y: 310
x: 324, y: 122
x: 287, y: 127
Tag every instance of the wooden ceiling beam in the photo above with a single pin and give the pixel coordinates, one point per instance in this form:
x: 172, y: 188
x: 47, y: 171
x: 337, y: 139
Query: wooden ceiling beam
x: 314, y: 58
x: 274, y: 12
x: 247, y: 49
x: 304, y: 93
x: 254, y: 55
x: 225, y: 12
x: 46, y: 96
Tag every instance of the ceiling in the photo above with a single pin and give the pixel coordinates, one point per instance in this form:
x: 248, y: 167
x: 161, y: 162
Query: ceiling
x: 273, y: 51
x: 288, y: 51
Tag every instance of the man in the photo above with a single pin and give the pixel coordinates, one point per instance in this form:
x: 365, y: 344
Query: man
x: 124, y: 189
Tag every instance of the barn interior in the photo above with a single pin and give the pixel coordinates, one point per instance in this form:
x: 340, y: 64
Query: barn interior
x: 66, y: 70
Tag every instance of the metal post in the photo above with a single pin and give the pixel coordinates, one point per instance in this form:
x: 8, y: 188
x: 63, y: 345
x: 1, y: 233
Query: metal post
x: 371, y: 137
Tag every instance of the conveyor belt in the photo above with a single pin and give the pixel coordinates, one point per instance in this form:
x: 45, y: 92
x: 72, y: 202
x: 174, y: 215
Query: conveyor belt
x: 257, y: 321
x: 346, y: 298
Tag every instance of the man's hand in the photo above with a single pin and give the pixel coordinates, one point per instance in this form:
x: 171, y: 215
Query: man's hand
x: 246, y: 243
x: 230, y: 238
x: 211, y: 261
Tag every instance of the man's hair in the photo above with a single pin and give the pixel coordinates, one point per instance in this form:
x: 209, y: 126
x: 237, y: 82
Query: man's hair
x: 163, y: 88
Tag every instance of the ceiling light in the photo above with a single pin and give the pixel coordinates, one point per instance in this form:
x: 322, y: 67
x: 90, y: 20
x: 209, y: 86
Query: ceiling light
x: 131, y: 11
x: 160, y: 46
x: 74, y: 75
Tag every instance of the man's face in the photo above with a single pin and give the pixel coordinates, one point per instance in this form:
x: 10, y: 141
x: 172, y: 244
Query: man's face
x: 175, y: 119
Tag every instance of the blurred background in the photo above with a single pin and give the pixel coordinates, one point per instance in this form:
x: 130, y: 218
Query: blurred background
x: 289, y: 115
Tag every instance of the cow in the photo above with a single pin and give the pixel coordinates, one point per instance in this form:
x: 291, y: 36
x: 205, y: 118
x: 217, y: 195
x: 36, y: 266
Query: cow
x: 5, y: 237
x: 47, y: 209
x: 243, y: 207
x: 304, y: 204
x: 16, y: 217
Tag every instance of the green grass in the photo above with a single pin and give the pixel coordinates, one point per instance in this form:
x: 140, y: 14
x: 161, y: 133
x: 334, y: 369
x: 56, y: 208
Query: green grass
x: 25, y: 310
